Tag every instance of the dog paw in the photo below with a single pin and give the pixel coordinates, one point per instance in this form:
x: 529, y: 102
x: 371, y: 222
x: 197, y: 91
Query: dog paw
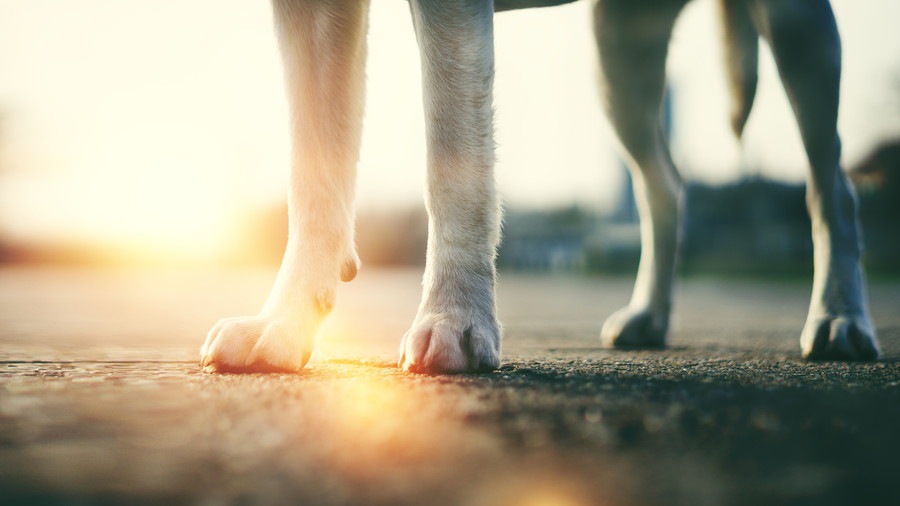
x: 839, y: 338
x: 438, y: 343
x: 255, y: 344
x: 634, y: 328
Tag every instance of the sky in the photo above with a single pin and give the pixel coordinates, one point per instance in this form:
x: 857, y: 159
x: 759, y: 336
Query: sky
x: 164, y: 121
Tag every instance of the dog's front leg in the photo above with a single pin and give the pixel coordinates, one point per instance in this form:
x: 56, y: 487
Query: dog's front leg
x: 323, y: 45
x: 456, y: 327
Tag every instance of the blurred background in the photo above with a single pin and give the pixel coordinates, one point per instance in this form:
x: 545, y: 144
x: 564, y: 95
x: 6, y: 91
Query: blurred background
x: 142, y: 132
x: 143, y: 175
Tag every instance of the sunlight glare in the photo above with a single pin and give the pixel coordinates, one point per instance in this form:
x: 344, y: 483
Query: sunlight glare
x: 379, y: 423
x: 160, y: 207
x: 541, y: 490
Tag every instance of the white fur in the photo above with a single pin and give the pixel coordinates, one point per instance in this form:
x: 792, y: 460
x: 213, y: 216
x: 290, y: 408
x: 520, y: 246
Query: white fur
x: 456, y: 329
x: 323, y: 45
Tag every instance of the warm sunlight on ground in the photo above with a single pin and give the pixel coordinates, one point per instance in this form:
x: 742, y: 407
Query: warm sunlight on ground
x: 548, y: 496
x: 372, y: 422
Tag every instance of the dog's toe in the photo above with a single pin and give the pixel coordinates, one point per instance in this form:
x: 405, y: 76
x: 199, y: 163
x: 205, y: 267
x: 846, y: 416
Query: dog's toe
x: 839, y: 338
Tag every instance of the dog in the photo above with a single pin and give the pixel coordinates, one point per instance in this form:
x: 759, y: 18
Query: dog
x: 323, y: 46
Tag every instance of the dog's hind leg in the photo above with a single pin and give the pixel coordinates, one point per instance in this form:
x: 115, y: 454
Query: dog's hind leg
x: 323, y: 45
x: 456, y: 327
x: 632, y: 39
x: 804, y: 39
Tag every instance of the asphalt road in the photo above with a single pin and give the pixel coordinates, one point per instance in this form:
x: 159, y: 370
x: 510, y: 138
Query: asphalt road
x: 102, y: 402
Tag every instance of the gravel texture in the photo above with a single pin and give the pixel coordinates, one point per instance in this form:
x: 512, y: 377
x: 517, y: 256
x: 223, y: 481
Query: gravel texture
x: 102, y: 402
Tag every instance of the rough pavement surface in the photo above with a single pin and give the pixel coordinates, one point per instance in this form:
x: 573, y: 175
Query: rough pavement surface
x: 102, y: 401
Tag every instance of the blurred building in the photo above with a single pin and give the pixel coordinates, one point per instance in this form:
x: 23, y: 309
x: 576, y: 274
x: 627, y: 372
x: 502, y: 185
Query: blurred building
x: 554, y: 240
x: 877, y: 180
x: 753, y: 225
